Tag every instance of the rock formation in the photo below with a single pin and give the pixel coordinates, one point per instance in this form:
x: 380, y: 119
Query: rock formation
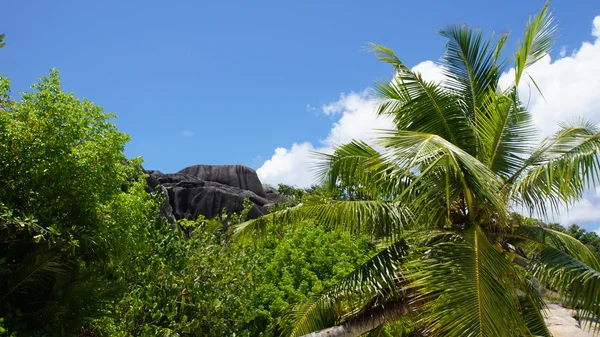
x: 208, y: 189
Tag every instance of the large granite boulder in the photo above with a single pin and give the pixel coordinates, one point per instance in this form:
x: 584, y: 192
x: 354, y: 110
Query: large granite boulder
x: 230, y: 175
x: 208, y: 189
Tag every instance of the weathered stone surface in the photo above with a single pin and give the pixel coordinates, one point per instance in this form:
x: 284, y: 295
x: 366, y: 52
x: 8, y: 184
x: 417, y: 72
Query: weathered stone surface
x: 207, y: 190
x: 561, y: 322
x: 230, y: 175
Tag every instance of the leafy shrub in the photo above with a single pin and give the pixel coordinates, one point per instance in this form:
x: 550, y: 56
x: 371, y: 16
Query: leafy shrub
x: 61, y: 171
x: 206, y: 285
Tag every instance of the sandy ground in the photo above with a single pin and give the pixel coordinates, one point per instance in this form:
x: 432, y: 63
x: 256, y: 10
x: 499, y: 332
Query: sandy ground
x: 561, y: 323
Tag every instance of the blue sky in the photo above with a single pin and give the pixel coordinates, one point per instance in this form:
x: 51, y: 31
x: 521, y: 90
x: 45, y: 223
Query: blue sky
x: 230, y: 82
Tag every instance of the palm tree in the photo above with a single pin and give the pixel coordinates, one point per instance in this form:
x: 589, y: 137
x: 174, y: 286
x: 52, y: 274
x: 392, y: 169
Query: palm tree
x: 437, y: 192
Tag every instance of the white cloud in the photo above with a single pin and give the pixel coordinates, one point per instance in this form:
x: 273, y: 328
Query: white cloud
x: 570, y: 85
x: 583, y: 212
x: 596, y: 27
x: 357, y: 120
x: 289, y: 166
x: 430, y: 71
x: 187, y: 133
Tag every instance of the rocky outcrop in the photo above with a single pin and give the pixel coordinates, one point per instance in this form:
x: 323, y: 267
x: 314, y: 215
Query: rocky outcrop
x: 239, y: 176
x: 208, y: 189
x: 562, y: 323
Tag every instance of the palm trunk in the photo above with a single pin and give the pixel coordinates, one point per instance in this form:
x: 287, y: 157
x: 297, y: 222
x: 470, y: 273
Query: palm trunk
x: 364, y: 322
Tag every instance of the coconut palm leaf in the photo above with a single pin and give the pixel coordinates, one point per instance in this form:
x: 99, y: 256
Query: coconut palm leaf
x: 558, y: 240
x: 463, y: 282
x: 540, y: 35
x: 417, y: 105
x: 470, y: 65
x: 431, y: 153
x: 560, y: 169
x: 532, y: 315
x: 374, y: 217
x: 506, y: 132
x: 36, y: 268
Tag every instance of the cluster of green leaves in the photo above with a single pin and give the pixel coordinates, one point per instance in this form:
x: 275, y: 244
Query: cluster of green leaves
x: 301, y: 261
x: 62, y: 173
x: 84, y: 250
x: 205, y: 285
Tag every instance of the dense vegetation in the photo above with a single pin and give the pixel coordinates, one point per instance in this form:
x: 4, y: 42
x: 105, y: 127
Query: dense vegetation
x: 412, y: 237
x: 84, y: 250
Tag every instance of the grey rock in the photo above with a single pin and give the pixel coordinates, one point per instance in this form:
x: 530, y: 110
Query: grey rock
x: 231, y: 175
x: 562, y: 323
x: 207, y: 190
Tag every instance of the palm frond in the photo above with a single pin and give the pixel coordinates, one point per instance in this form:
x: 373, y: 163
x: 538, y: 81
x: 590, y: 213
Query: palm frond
x: 417, y: 105
x: 35, y: 268
x: 434, y: 157
x: 373, y: 217
x: 533, y: 317
x: 560, y: 170
x: 540, y: 35
x: 463, y: 281
x: 380, y: 276
x: 469, y: 65
x: 358, y: 169
x: 531, y: 304
x: 558, y: 240
x: 506, y: 132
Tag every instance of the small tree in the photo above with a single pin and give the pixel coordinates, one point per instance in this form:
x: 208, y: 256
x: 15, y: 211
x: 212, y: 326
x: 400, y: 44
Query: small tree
x: 63, y: 182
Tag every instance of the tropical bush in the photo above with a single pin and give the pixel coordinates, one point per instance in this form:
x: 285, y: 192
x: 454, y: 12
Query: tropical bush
x: 204, y: 285
x: 62, y: 171
x: 84, y: 250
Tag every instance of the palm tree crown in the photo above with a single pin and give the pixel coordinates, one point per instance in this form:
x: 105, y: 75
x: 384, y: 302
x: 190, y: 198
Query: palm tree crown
x: 438, y: 190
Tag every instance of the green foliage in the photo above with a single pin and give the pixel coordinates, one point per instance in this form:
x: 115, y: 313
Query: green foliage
x: 2, y: 38
x: 206, y: 286
x: 62, y: 175
x: 84, y: 251
x: 290, y: 191
x: 299, y: 264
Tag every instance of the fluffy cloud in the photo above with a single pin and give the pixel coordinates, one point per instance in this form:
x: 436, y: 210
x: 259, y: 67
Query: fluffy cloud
x: 289, y: 166
x: 570, y: 85
x: 356, y: 119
